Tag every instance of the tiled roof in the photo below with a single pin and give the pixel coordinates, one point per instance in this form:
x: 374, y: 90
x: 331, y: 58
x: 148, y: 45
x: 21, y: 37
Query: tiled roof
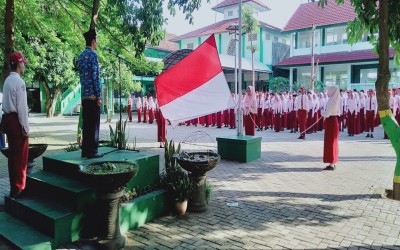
x: 219, y: 27
x: 361, y: 55
x: 308, y: 14
x: 235, y: 2
x: 166, y: 43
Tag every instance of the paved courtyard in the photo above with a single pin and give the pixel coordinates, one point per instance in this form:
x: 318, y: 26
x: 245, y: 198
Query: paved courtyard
x: 284, y: 200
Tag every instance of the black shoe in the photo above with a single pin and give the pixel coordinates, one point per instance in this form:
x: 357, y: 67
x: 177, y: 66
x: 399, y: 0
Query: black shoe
x: 258, y: 130
x: 95, y: 156
x: 367, y: 136
x: 291, y: 131
x: 15, y: 194
x: 329, y: 167
x: 372, y: 136
x: 302, y: 137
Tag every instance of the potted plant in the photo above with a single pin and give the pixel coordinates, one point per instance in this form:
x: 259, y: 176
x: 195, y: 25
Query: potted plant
x: 180, y: 187
x: 174, y: 179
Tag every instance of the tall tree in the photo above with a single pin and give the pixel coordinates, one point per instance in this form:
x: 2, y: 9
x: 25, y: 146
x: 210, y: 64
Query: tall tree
x: 250, y: 28
x: 8, y: 38
x: 382, y: 16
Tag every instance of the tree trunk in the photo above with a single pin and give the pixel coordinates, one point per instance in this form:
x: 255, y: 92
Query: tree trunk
x: 95, y: 13
x: 48, y: 100
x: 9, y: 38
x: 382, y: 83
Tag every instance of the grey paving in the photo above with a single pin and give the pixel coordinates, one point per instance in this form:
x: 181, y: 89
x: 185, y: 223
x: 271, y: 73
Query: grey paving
x: 284, y: 199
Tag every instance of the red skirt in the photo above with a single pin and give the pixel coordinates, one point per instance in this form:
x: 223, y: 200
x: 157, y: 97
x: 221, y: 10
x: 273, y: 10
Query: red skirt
x: 331, y: 140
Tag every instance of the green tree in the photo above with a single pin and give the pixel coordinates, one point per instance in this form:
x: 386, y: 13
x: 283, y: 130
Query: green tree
x: 279, y: 84
x: 250, y: 27
x: 382, y: 17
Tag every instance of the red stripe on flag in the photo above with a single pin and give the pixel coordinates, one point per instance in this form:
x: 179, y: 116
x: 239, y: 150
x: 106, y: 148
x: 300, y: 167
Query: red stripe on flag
x: 193, y: 71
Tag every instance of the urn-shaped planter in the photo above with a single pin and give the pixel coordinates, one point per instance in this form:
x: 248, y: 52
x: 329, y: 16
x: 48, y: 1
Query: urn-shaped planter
x: 108, y: 178
x: 34, y: 151
x: 198, y: 164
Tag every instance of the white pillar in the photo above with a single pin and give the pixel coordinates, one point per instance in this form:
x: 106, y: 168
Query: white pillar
x: 291, y: 79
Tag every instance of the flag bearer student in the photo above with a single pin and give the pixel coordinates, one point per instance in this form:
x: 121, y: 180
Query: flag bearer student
x: 139, y: 106
x: 260, y: 107
x: 15, y: 124
x: 277, y: 110
x: 302, y: 111
x: 371, y: 109
x: 351, y: 113
x: 249, y: 110
x: 331, y: 127
x: 266, y: 108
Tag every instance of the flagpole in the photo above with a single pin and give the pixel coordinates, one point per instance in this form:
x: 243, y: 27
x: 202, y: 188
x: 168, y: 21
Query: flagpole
x: 239, y: 112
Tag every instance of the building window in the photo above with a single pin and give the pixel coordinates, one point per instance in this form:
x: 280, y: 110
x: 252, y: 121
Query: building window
x: 368, y: 75
x: 189, y: 46
x: 276, y: 39
x: 336, y: 78
x: 230, y: 13
x: 305, y: 38
x: 283, y: 40
x: 267, y: 36
x: 252, y: 37
x: 336, y: 35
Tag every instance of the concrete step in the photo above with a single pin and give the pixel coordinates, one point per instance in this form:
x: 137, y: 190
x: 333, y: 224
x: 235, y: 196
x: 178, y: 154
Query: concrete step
x: 70, y: 193
x: 52, y: 219
x: 21, y: 236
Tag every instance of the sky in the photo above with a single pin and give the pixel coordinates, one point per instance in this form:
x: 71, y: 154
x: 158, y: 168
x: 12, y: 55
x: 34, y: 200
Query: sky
x: 278, y: 16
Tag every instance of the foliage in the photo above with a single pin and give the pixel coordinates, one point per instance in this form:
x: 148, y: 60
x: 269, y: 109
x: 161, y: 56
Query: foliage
x: 136, y: 192
x: 209, y: 189
x: 169, y: 155
x: 279, y: 84
x: 177, y: 182
x: 117, y: 136
x: 72, y: 147
x: 319, y: 86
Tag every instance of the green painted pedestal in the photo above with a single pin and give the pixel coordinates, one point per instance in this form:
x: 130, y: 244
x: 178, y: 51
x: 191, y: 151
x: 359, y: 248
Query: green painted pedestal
x: 239, y: 148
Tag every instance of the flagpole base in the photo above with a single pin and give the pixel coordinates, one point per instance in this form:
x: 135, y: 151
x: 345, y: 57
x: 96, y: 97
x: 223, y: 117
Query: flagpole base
x: 239, y: 148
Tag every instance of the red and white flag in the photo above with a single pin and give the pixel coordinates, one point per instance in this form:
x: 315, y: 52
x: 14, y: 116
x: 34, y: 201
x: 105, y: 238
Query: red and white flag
x: 195, y: 86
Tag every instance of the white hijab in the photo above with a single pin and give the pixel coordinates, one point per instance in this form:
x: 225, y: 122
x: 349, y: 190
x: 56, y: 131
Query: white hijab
x: 332, y: 107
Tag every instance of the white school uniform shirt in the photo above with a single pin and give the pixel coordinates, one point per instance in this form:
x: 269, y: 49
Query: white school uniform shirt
x: 342, y: 104
x: 371, y: 104
x: 15, y: 100
x: 290, y: 104
x: 139, y: 103
x: 298, y: 102
x: 352, y: 105
x: 277, y: 107
x: 152, y: 104
x: 266, y: 104
x: 362, y: 102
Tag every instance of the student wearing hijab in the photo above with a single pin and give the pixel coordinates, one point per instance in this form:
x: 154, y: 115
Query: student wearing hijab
x: 331, y: 127
x: 249, y: 110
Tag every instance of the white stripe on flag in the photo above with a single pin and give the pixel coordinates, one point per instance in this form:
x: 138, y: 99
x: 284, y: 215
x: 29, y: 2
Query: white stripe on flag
x: 211, y: 97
